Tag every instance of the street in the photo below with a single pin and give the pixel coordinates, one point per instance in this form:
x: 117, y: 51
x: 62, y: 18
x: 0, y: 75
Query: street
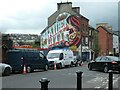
x: 61, y: 78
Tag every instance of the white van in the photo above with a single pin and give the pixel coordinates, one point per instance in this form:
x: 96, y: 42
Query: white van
x: 61, y: 57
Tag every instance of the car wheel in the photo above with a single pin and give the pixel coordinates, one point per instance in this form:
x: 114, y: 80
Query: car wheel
x: 106, y: 69
x: 46, y: 68
x: 90, y: 67
x: 28, y: 69
x: 7, y: 72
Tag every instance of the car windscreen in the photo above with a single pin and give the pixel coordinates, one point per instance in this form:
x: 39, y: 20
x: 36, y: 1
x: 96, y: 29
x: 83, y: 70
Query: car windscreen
x: 114, y: 58
x: 53, y: 55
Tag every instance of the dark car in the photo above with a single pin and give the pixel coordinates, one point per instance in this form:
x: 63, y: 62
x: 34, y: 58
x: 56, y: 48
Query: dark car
x: 105, y: 63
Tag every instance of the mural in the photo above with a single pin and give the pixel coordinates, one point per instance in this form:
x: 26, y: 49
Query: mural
x: 66, y: 31
x: 73, y: 27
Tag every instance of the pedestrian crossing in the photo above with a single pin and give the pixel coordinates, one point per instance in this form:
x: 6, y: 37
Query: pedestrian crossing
x: 99, y: 82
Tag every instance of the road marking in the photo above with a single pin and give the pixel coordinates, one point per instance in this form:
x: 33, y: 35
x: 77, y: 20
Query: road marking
x: 97, y: 87
x: 97, y: 79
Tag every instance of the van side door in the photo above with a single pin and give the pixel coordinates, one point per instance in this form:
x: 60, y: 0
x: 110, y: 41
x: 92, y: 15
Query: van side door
x: 37, y: 61
x: 30, y: 59
x: 42, y: 60
x: 66, y: 61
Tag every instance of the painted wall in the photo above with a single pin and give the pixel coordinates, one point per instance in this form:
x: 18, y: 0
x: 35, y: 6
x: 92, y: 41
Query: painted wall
x: 66, y: 31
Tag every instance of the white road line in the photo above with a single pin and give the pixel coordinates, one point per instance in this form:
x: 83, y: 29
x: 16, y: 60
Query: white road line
x: 97, y: 87
x: 97, y: 79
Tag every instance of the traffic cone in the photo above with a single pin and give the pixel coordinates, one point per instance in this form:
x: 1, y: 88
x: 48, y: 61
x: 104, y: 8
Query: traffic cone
x: 55, y: 66
x: 24, y: 69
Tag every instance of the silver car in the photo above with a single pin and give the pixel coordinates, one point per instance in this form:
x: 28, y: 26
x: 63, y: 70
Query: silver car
x: 5, y: 69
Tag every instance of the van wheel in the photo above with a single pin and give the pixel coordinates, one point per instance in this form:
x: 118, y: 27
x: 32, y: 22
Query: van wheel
x: 7, y: 72
x: 28, y: 69
x: 46, y: 68
x: 71, y: 64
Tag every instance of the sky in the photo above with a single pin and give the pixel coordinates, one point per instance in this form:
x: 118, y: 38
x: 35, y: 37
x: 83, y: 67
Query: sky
x: 31, y: 16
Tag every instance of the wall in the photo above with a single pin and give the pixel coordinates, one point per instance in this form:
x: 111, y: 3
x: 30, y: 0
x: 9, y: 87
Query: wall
x: 105, y: 41
x: 58, y: 31
x: 102, y: 38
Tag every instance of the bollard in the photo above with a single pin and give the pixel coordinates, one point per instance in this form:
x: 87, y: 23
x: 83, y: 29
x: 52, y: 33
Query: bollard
x: 44, y: 83
x: 110, y: 86
x: 79, y: 80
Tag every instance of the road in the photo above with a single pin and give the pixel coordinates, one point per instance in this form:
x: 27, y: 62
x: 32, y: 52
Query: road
x: 61, y: 78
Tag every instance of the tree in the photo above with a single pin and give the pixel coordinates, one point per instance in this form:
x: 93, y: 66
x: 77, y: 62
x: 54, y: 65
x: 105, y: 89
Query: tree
x: 7, y: 42
x: 36, y: 44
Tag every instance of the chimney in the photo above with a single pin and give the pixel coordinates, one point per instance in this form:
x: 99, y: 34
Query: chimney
x: 76, y: 9
x: 64, y: 4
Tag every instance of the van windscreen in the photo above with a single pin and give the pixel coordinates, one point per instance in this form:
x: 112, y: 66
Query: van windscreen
x: 53, y: 55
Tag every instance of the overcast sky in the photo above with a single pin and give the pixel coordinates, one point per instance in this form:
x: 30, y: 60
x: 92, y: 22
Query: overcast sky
x: 31, y: 16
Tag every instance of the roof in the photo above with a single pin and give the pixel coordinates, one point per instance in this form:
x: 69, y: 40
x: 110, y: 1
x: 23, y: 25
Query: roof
x: 107, y: 30
x: 92, y: 28
x: 58, y: 13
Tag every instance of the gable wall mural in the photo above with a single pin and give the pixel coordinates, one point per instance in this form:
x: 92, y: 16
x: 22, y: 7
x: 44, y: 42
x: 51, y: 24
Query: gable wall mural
x: 65, y: 31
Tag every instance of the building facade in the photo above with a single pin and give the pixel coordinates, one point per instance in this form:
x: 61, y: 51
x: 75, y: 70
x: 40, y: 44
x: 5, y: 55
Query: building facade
x: 115, y: 44
x: 105, y: 38
x: 66, y: 27
x: 93, y: 42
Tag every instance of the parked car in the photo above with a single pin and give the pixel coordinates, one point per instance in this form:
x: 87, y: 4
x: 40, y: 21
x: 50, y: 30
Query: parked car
x: 32, y: 59
x: 5, y: 69
x: 105, y: 63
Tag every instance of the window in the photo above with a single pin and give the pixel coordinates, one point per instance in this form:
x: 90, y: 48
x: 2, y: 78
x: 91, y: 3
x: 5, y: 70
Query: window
x: 35, y: 56
x: 61, y: 56
x: 53, y: 55
x: 86, y: 40
x: 41, y: 55
x: 98, y: 59
x: 104, y: 59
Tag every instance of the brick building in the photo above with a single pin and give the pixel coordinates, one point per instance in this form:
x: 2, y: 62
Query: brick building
x: 105, y: 38
x: 66, y: 26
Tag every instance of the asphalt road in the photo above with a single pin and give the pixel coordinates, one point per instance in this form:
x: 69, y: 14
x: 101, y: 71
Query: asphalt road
x: 61, y: 78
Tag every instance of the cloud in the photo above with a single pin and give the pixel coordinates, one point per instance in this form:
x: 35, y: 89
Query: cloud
x: 31, y: 15
x: 100, y: 12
